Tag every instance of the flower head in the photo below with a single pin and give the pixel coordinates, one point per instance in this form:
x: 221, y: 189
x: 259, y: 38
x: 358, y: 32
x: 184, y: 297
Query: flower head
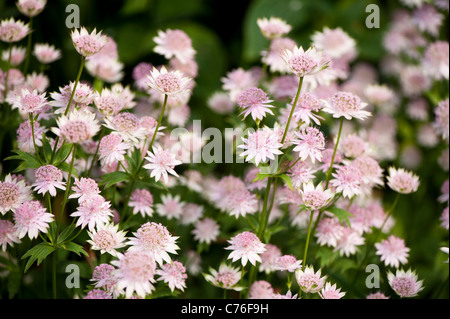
x: 273, y: 27
x: 254, y: 101
x: 310, y: 281
x: 13, y: 193
x: 347, y: 180
x: 315, y: 198
x: 112, y: 149
x: 31, y: 8
x: 349, y: 241
x: 171, y: 206
x: 13, y: 31
x: 46, y: 53
x: 287, y: 263
x: 405, y: 283
x: 160, y: 163
x: 31, y: 218
x: 77, y: 126
x: 174, y: 44
x: 206, y: 230
x: 310, y: 144
x: 17, y: 55
x: 48, y: 178
x: 174, y: 274
x: 170, y: 83
x: 88, y: 44
x: 261, y: 146
x: 84, y: 189
x: 329, y: 232
x: 346, y: 104
x: 303, y: 62
x: 336, y: 43
x: 142, y: 202
x: 227, y: 277
x: 93, y: 212
x: 8, y: 234
x: 247, y: 247
x: 331, y: 292
x: 107, y: 238
x: 402, y: 181
x: 441, y: 122
x: 393, y: 251
x: 261, y: 289
x: 126, y: 125
x: 29, y: 102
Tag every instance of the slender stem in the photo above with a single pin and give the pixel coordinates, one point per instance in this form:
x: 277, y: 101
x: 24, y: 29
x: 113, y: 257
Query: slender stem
x: 69, y: 184
x: 266, y: 220
x: 80, y: 70
x: 94, y: 159
x: 27, y: 59
x: 334, y: 153
x: 31, y: 116
x: 292, y: 110
x: 308, y: 237
x: 264, y: 212
x: 8, y: 67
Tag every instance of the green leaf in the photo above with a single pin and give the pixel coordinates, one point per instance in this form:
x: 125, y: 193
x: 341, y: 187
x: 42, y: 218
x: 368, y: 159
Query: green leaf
x: 37, y: 253
x: 73, y: 247
x: 66, y: 233
x: 340, y: 213
x: 110, y: 179
x: 62, y: 154
x: 28, y: 161
x: 47, y: 148
x: 287, y: 180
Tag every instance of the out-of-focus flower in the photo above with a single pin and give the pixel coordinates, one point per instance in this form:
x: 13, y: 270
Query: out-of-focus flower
x: 17, y: 55
x: 174, y: 43
x: 31, y: 8
x: 46, y: 53
x: 174, y: 274
x: 206, y: 230
x: 13, y: 31
x: 142, y: 202
x: 273, y: 27
x: 402, y: 181
x: 393, y: 251
x: 346, y: 104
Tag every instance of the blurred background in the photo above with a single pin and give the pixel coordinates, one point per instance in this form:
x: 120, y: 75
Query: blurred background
x: 226, y: 36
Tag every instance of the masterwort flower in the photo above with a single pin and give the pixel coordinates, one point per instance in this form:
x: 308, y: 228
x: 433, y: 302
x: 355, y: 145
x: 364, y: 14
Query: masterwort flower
x: 405, y: 283
x: 174, y: 275
x: 13, y: 193
x: 161, y: 162
x: 174, y: 44
x: 227, y: 277
x: 93, y: 212
x: 331, y: 292
x: 402, y: 181
x: 31, y: 218
x: 303, y: 62
x: 142, y: 202
x: 261, y: 145
x: 393, y: 251
x: 315, y: 198
x: 206, y: 230
x: 310, y: 281
x: 29, y: 102
x: 107, y: 238
x: 254, y: 101
x: 88, y: 44
x: 48, y: 179
x: 31, y: 8
x: 310, y: 144
x: 347, y: 105
x: 77, y: 126
x: 247, y: 247
x: 273, y: 27
x: 13, y: 31
x: 170, y: 83
x: 8, y: 234
x: 46, y: 53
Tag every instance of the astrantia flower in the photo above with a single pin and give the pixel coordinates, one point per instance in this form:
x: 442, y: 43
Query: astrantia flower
x: 329, y: 232
x: 336, y: 43
x: 104, y: 277
x: 126, y: 125
x: 31, y: 8
x: 377, y: 295
x: 310, y: 281
x: 239, y: 203
x: 160, y: 163
x: 393, y: 251
x: 301, y: 173
x: 273, y: 27
x: 346, y: 104
x: 17, y: 55
x: 436, y: 60
x: 221, y: 103
x: 353, y: 146
x: 48, y: 179
x: 254, y: 101
x: 46, y: 53
x: 109, y: 102
x: 268, y: 258
x: 286, y: 263
x: 155, y: 239
x: 170, y: 83
x: 13, y: 192
x: 112, y: 149
x: 261, y: 146
x: 349, y: 241
x: 310, y: 144
x: 206, y: 230
x: 261, y: 289
x: 135, y: 273
x: 445, y: 218
x: 304, y: 63
x: 191, y: 213
x: 174, y: 43
x: 8, y: 234
x: 273, y: 57
x: 347, y: 180
x: 405, y: 283
x: 88, y: 44
x: 25, y: 136
x: 227, y: 277
x: 306, y: 104
x: 441, y: 122
x: 93, y: 212
x: 107, y: 238
x: 237, y: 81
x: 84, y: 189
x: 31, y: 218
x: 402, y: 181
x: 29, y: 102
x: 13, y: 31
x: 247, y: 247
x: 315, y: 198
x: 77, y: 126
x: 98, y: 294
x: 331, y: 292
x: 287, y: 296
x: 142, y: 202
x: 174, y: 275
x: 40, y: 82
x: 171, y: 206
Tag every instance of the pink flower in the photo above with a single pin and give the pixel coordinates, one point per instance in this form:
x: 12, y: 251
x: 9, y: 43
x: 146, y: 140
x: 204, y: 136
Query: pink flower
x: 436, y: 60
x: 261, y: 146
x: 112, y: 149
x: 8, y: 234
x: 126, y: 125
x: 13, y: 193
x: 310, y: 143
x: 402, y: 181
x: 273, y: 27
x: 104, y: 277
x: 227, y: 277
x: 40, y: 82
x: 405, y: 283
x: 254, y: 101
x: 31, y: 218
x: 393, y: 251
x: 441, y: 122
x: 329, y: 232
x: 206, y: 230
x: 84, y: 189
x: 17, y: 55
x: 174, y: 43
x: 347, y: 180
x: 221, y: 103
x: 247, y: 247
x: 93, y: 212
x: 31, y: 8
x: 301, y: 173
x: 268, y: 258
x: 13, y: 31
x: 377, y: 295
x: 310, y: 281
x: 331, y: 292
x: 135, y: 273
x: 237, y: 81
x: 445, y: 218
x: 46, y: 53
x: 88, y: 44
x: 107, y: 238
x: 98, y: 294
x: 25, y: 136
x: 428, y: 19
x: 82, y: 97
x: 336, y: 43
x: 315, y: 198
x: 371, y: 172
x: 77, y: 126
x: 414, y: 80
x: 346, y: 104
x: 142, y: 202
x: 304, y: 63
x: 160, y: 163
x: 29, y: 102
x: 48, y: 178
x: 171, y: 206
x: 306, y: 104
x: 174, y: 275
x: 239, y: 202
x: 109, y: 102
x: 261, y: 289
x: 273, y: 58
x: 286, y: 263
x: 170, y: 83
x: 156, y: 240
x: 347, y: 244
x: 353, y: 146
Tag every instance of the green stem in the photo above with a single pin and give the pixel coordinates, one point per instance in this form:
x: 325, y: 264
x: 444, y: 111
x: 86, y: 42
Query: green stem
x: 264, y: 212
x: 34, y: 139
x: 308, y: 237
x: 29, y: 42
x: 69, y: 184
x: 292, y: 110
x: 8, y: 67
x: 334, y: 153
x: 94, y: 159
